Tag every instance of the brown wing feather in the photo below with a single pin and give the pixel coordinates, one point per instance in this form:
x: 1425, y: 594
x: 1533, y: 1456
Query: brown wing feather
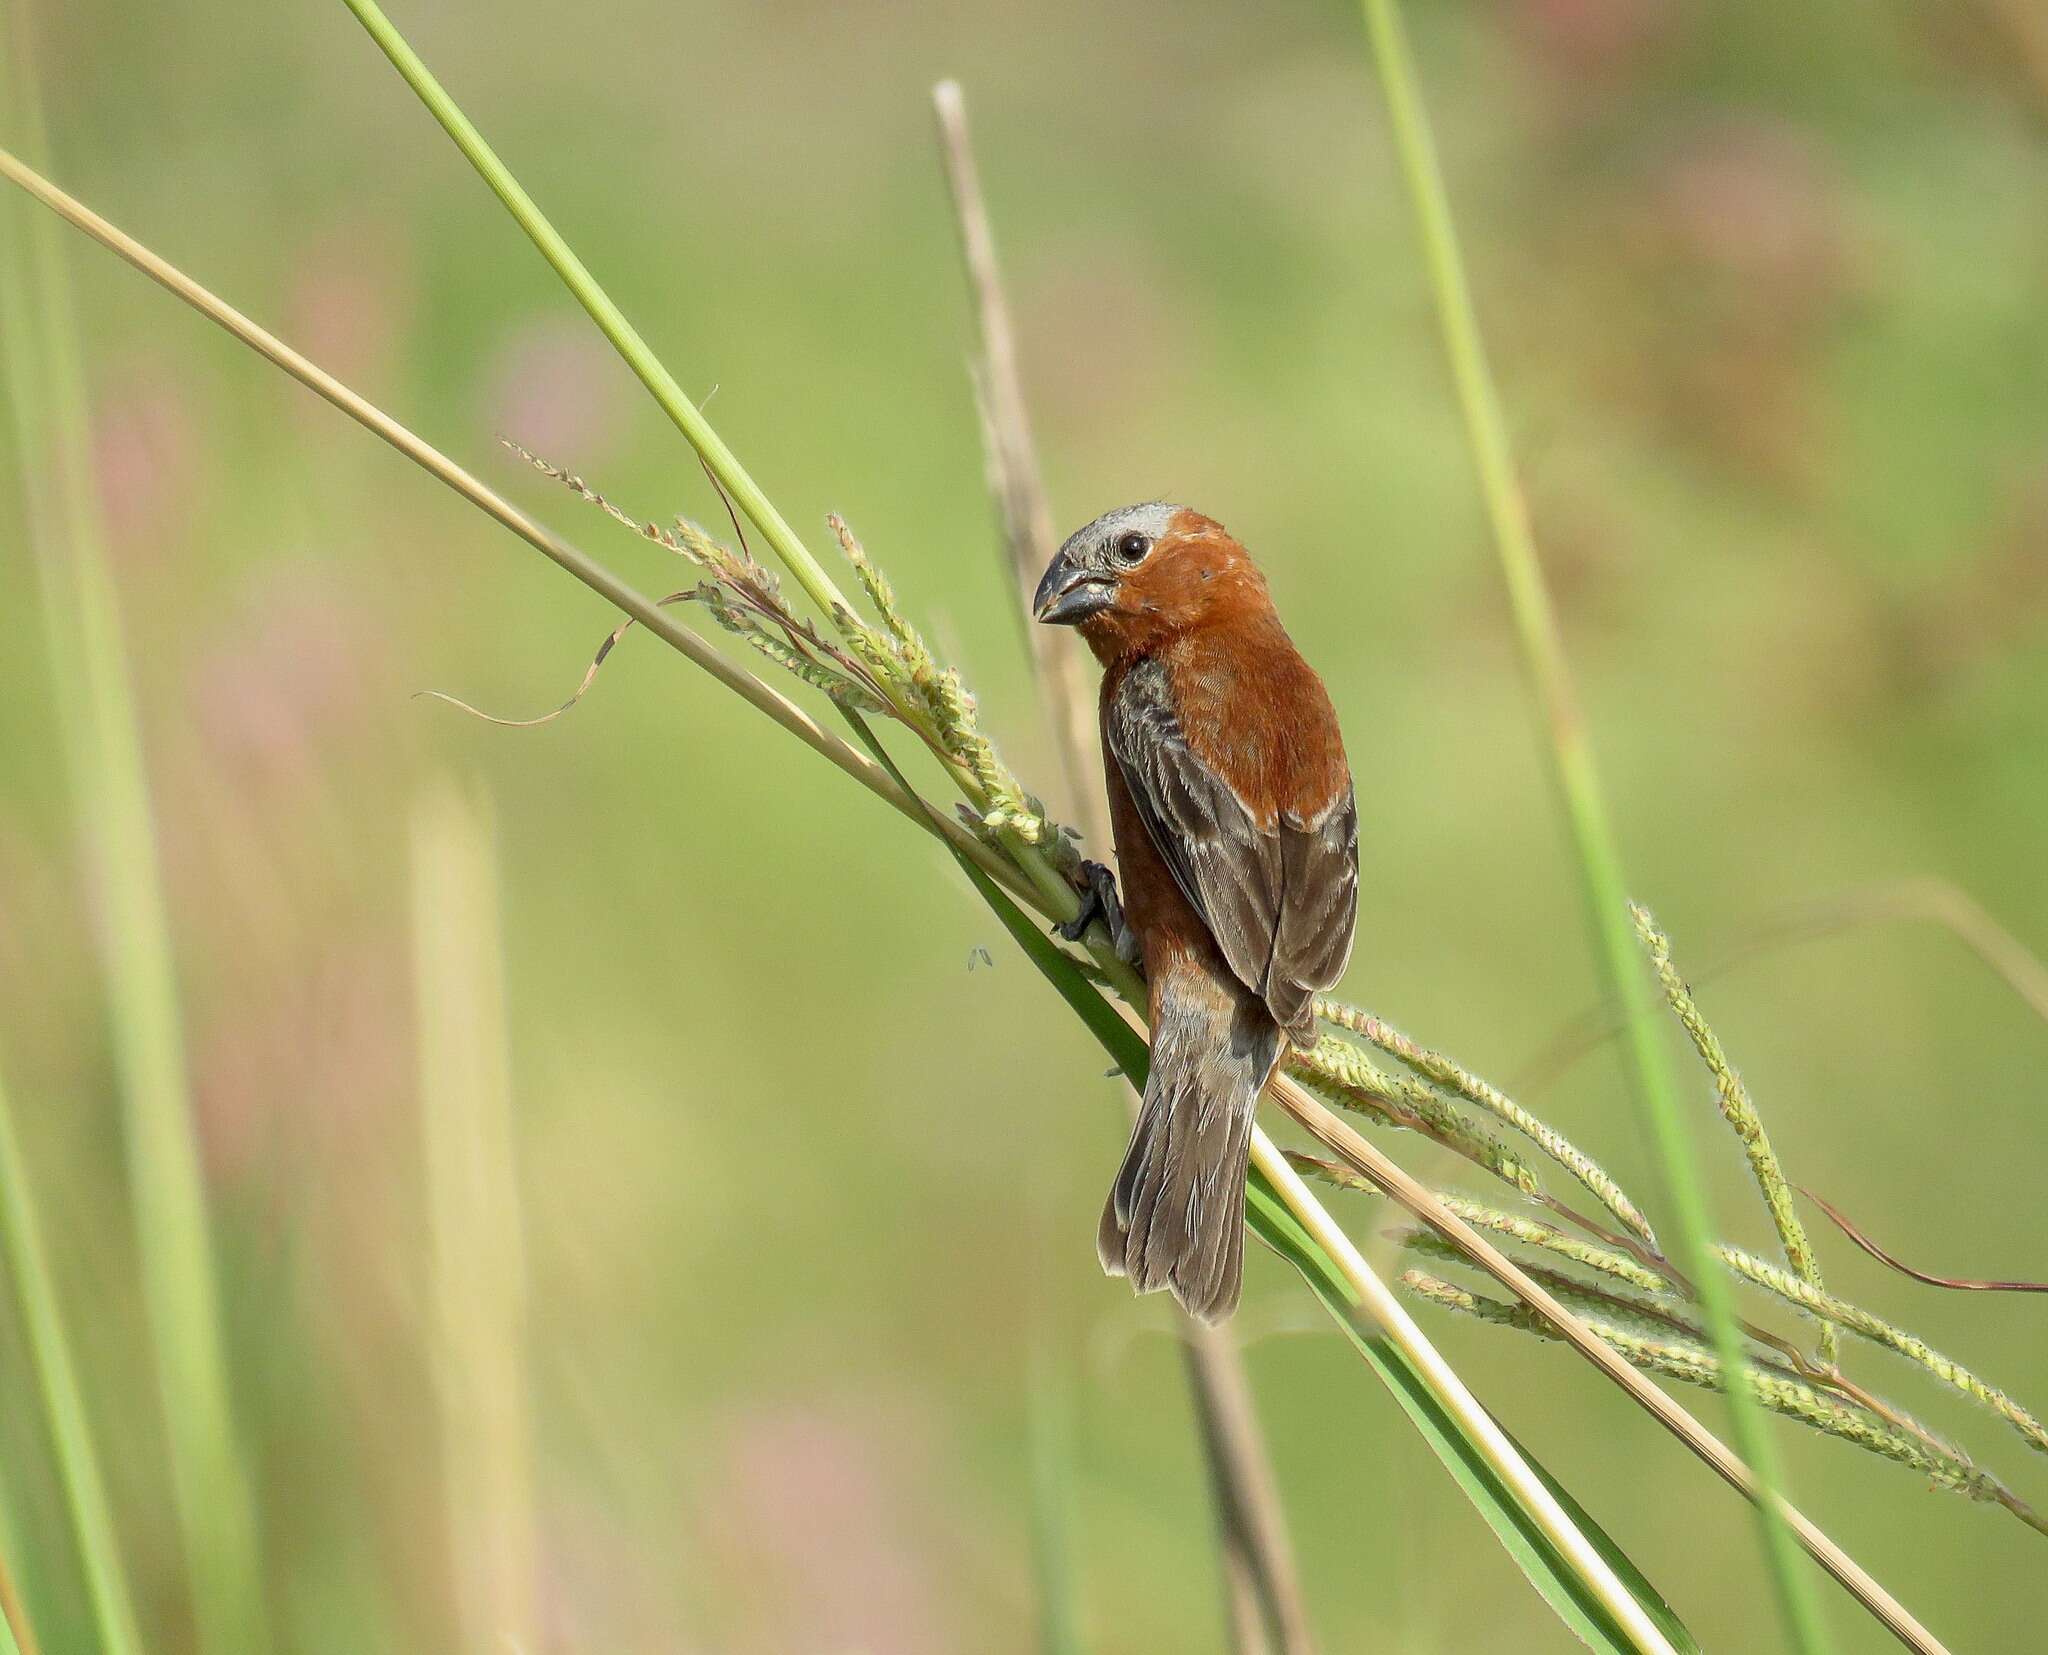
x: 1279, y: 900
x: 1319, y: 911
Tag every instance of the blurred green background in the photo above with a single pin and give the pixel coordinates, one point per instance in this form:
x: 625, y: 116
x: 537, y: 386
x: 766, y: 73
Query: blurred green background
x: 801, y: 1192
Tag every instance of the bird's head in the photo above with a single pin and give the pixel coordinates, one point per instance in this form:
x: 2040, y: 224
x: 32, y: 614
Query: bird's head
x: 1136, y: 576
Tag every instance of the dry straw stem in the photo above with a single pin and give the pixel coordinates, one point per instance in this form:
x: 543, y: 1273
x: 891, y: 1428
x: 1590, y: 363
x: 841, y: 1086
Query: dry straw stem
x: 1268, y: 1607
x: 1014, y: 477
x: 1060, y: 904
x: 1577, y: 776
x: 1384, y: 1175
x: 1739, y: 1112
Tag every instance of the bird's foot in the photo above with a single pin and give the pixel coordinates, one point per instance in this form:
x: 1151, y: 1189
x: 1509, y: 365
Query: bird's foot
x: 1099, y: 901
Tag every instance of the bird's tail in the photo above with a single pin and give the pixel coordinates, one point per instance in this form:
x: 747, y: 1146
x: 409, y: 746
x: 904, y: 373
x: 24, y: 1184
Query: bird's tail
x: 1175, y: 1216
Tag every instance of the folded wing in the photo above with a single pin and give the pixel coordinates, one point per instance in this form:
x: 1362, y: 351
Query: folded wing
x: 1280, y: 896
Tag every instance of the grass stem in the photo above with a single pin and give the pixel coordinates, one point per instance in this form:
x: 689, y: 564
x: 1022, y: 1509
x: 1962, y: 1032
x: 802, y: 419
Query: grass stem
x: 109, y: 783
x: 477, y: 1256
x: 1267, y: 1605
x: 64, y: 1410
x: 661, y: 384
x: 1057, y: 656
x: 1592, y: 832
x: 623, y: 597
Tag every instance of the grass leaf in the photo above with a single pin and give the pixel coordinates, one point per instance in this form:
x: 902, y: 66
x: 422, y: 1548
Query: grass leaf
x: 1578, y: 782
x: 110, y: 797
x: 64, y: 1411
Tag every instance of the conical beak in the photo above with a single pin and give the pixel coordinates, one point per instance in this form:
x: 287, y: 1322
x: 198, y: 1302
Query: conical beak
x: 1069, y: 593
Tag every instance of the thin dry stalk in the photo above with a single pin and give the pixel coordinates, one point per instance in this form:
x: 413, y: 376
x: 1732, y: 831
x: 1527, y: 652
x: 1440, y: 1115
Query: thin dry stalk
x: 1959, y: 1284
x: 1014, y: 477
x: 1268, y: 1607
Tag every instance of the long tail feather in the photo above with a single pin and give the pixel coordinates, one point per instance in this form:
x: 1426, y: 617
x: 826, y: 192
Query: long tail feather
x: 1175, y: 1216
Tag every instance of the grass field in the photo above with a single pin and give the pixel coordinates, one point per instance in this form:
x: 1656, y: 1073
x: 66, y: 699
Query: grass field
x: 773, y: 1257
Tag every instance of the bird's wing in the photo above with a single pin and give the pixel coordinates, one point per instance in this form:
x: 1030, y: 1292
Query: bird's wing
x: 1280, y: 899
x: 1319, y: 908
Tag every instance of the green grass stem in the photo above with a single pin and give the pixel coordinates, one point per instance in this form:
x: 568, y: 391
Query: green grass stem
x: 625, y: 338
x: 63, y: 1401
x: 110, y: 795
x: 625, y: 598
x: 718, y: 459
x: 1592, y: 832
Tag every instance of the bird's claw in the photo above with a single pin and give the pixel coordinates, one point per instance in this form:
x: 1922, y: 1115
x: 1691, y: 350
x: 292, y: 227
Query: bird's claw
x: 1099, y: 900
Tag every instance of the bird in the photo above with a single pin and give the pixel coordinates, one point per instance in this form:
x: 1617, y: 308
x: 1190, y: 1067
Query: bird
x: 1236, y: 837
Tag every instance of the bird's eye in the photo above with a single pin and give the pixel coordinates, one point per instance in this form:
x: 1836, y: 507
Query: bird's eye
x: 1131, y: 547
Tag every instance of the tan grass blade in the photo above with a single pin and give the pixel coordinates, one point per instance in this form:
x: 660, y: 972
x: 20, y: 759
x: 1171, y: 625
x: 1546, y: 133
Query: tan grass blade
x: 476, y: 1234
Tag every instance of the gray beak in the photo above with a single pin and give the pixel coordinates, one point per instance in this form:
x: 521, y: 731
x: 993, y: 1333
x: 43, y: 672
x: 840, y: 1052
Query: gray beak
x: 1069, y: 593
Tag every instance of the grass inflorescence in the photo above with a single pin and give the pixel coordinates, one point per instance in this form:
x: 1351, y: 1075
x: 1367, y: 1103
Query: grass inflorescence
x: 1660, y: 1330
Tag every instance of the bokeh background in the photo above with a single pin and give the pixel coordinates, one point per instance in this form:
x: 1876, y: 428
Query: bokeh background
x: 806, y: 1200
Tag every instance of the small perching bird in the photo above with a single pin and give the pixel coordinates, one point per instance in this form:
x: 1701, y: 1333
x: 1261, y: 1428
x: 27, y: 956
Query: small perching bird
x: 1237, y: 840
